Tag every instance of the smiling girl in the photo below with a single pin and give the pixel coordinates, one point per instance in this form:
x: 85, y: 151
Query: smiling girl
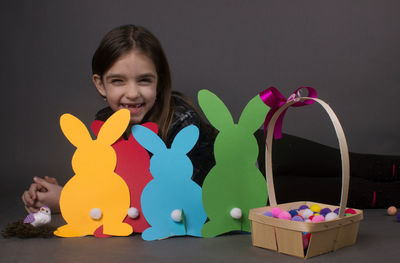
x: 130, y: 70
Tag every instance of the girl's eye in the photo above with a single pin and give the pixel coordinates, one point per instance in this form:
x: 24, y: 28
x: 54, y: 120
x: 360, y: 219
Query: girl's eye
x: 116, y: 81
x: 145, y: 81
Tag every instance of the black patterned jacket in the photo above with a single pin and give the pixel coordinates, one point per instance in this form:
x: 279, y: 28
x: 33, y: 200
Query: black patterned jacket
x: 201, y: 155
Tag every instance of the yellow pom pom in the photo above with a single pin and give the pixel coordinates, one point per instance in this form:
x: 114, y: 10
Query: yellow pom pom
x: 315, y: 208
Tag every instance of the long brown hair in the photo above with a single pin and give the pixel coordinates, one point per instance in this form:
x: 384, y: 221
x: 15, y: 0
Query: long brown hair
x: 124, y: 39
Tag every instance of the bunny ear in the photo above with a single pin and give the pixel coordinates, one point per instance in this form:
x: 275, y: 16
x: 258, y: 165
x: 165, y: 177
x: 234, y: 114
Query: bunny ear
x: 96, y: 126
x: 253, y: 114
x: 152, y: 126
x: 148, y: 139
x: 215, y: 110
x: 114, y: 127
x: 75, y: 131
x: 185, y: 139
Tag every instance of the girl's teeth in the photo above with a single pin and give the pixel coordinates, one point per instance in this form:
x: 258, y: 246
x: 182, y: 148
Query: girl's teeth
x: 132, y: 106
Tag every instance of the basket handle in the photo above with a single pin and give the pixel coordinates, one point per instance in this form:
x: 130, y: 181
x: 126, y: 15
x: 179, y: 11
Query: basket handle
x: 344, y: 152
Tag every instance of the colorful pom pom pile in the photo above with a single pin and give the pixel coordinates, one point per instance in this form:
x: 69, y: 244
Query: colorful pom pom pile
x: 313, y: 214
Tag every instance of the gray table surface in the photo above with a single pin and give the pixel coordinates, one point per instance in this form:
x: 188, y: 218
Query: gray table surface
x: 378, y: 239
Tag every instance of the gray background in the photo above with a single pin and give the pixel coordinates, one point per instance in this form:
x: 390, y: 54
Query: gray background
x: 347, y: 50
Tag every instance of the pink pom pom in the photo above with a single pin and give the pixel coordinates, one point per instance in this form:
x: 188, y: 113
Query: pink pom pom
x: 276, y: 211
x: 318, y: 218
x: 305, y: 241
x: 285, y: 215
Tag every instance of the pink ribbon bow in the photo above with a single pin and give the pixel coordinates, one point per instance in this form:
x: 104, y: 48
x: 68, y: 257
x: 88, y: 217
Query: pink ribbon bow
x: 274, y: 99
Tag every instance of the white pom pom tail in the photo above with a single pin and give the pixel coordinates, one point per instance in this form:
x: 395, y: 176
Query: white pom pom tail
x: 236, y: 213
x: 133, y: 212
x: 95, y: 213
x: 176, y: 215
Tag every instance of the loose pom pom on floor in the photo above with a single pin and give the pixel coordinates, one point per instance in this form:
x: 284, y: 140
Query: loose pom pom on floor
x: 236, y: 213
x: 392, y: 211
x: 331, y: 216
x: 133, y: 212
x: 176, y: 215
x: 95, y: 213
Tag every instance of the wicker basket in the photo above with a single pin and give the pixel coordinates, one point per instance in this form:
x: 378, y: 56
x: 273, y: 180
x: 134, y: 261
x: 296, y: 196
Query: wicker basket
x: 286, y: 236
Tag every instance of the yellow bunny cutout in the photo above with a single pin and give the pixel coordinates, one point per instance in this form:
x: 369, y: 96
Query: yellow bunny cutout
x: 96, y: 195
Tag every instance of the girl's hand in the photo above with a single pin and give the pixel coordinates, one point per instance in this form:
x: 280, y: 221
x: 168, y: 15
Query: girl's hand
x: 29, y: 198
x: 42, y: 192
x: 49, y: 193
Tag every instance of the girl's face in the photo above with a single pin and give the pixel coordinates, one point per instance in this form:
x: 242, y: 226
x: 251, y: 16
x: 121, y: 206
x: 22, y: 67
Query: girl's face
x: 130, y: 83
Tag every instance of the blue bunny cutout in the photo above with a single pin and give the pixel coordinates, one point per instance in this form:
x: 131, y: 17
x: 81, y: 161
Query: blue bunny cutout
x: 171, y: 189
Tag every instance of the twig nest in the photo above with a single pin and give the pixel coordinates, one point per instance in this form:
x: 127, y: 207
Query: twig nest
x: 95, y: 213
x: 133, y: 212
x: 176, y: 215
x: 236, y: 213
x: 23, y: 230
x: 392, y: 211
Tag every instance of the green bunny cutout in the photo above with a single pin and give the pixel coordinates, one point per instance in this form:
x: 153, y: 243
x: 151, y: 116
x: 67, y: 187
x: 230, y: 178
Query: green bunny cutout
x: 234, y: 185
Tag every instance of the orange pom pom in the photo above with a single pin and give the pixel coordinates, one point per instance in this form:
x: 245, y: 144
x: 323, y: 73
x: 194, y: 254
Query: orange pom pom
x: 392, y: 211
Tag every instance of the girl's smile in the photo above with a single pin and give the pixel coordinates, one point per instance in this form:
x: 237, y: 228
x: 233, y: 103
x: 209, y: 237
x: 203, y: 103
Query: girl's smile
x: 130, y: 83
x: 133, y: 108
